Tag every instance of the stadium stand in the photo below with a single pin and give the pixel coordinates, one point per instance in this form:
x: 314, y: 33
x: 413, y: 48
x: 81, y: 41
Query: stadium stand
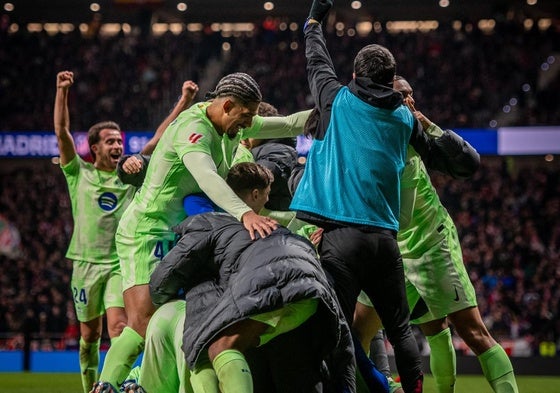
x: 508, y: 216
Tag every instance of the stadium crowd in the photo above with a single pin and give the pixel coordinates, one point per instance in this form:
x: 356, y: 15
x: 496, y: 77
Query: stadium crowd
x: 507, y: 217
x: 464, y: 77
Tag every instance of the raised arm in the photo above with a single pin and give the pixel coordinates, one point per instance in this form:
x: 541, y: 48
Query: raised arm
x: 66, y: 147
x: 321, y: 74
x: 188, y: 92
x: 444, y: 150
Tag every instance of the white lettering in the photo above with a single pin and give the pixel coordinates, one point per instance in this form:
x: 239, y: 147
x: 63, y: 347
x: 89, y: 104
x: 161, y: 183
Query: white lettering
x: 21, y: 145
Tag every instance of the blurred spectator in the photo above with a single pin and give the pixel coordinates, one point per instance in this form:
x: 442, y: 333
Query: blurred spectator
x: 464, y: 76
x: 507, y: 217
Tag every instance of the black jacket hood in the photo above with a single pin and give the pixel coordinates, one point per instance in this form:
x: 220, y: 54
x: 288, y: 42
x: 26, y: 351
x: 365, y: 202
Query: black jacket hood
x: 375, y: 94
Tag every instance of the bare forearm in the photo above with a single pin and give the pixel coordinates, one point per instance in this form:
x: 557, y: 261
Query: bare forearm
x: 62, y: 126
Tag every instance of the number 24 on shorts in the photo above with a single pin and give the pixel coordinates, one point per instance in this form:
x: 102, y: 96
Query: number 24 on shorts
x: 79, y: 295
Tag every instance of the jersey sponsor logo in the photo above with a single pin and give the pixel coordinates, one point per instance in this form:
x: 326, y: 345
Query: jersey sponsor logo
x: 107, y: 201
x: 195, y: 137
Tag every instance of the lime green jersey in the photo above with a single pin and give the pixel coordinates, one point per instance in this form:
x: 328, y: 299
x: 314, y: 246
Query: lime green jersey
x: 243, y: 155
x: 159, y: 203
x: 422, y: 213
x: 99, y: 199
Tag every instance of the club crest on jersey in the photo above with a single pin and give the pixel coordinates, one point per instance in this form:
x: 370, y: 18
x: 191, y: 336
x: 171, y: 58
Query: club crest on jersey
x: 107, y: 201
x: 195, y: 137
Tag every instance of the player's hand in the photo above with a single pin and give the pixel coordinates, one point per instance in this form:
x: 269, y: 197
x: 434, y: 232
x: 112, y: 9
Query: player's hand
x: 409, y: 102
x: 319, y: 9
x: 64, y: 79
x: 422, y: 119
x: 132, y: 165
x: 263, y: 225
x: 315, y: 237
x: 189, y: 90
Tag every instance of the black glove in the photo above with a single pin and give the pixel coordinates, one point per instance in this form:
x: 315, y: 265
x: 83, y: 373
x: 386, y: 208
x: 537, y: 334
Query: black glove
x: 319, y: 9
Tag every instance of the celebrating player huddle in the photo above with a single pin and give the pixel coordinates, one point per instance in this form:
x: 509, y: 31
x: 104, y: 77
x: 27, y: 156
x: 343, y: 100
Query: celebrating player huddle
x: 219, y: 296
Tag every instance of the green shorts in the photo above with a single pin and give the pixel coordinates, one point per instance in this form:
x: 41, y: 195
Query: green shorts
x: 164, y: 366
x: 139, y: 256
x: 95, y: 288
x: 286, y: 318
x: 440, y: 278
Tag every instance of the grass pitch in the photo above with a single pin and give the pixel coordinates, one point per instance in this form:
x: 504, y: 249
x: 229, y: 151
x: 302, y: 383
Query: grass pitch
x: 70, y: 383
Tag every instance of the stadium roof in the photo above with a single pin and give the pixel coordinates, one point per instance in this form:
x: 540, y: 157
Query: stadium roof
x: 208, y: 11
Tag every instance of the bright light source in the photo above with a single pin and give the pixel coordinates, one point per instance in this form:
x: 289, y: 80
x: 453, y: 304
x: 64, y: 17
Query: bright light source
x: 182, y: 7
x: 549, y: 158
x: 294, y: 26
x: 493, y: 123
x: 94, y: 7
x: 34, y: 27
x: 194, y: 27
x: 268, y: 6
x: 356, y: 5
x: 486, y: 25
x: 110, y: 29
x: 176, y: 28
x: 226, y: 46
x: 294, y: 45
x: 544, y: 23
x: 531, y: 2
x: 8, y: 7
x: 444, y: 3
x: 159, y: 28
x: 364, y: 28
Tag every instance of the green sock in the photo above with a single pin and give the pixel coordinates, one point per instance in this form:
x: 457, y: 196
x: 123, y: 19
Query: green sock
x: 498, y: 370
x: 89, y: 363
x: 203, y: 377
x: 443, y: 361
x: 121, y: 356
x: 233, y: 372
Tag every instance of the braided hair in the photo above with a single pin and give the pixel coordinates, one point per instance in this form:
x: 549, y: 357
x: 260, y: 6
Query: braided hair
x: 238, y: 85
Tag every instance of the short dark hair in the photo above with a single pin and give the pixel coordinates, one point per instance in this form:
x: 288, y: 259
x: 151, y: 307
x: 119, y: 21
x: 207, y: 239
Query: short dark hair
x: 377, y: 63
x: 267, y: 110
x: 247, y: 176
x: 95, y: 130
x: 238, y: 85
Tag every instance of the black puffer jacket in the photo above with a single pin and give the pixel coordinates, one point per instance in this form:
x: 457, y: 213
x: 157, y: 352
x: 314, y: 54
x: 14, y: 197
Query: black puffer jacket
x: 280, y: 156
x: 228, y: 277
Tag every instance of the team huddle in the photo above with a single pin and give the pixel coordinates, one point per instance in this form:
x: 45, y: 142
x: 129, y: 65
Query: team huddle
x: 233, y: 269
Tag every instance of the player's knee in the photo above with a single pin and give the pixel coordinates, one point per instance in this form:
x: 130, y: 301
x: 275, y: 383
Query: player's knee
x: 116, y: 328
x: 477, y: 338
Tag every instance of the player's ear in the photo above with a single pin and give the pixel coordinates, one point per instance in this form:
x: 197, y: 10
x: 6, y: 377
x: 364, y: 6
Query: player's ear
x: 228, y: 105
x: 254, y: 193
